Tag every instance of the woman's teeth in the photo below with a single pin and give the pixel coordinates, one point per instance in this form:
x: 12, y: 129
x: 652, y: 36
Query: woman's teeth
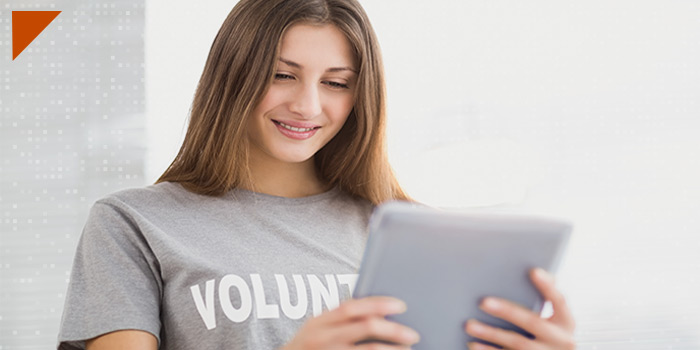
x: 293, y: 128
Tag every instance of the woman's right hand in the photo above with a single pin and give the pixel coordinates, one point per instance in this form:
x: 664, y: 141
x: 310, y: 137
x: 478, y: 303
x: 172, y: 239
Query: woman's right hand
x: 353, y: 321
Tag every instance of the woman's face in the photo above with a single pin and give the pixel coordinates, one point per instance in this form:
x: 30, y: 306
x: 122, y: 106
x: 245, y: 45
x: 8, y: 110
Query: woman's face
x: 310, y: 97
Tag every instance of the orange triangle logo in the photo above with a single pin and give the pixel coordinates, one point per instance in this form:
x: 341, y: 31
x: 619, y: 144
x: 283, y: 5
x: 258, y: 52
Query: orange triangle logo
x: 26, y: 26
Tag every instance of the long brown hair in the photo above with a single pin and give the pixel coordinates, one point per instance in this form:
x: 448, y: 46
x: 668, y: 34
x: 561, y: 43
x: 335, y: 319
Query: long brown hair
x: 213, y: 158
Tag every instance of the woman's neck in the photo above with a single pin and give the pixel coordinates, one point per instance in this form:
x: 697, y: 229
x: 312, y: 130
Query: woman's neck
x: 277, y: 178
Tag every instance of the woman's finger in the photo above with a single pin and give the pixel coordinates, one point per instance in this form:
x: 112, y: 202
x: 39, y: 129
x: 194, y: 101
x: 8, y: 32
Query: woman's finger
x: 501, y: 337
x: 480, y: 346
x: 365, y: 307
x: 376, y: 346
x: 375, y: 328
x: 544, y: 282
x: 523, y: 318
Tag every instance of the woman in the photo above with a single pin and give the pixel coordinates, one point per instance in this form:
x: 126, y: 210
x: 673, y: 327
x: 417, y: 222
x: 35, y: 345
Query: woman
x: 253, y: 235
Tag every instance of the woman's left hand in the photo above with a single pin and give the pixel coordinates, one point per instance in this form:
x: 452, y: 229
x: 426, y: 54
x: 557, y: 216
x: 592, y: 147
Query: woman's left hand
x: 555, y: 332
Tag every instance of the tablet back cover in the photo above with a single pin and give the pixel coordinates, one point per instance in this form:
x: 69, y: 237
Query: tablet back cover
x: 443, y: 263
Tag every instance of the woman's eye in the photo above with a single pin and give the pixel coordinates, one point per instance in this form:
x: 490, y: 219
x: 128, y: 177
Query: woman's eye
x: 282, y: 76
x: 337, y: 85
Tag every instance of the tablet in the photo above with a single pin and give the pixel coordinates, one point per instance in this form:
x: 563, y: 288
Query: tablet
x: 442, y: 264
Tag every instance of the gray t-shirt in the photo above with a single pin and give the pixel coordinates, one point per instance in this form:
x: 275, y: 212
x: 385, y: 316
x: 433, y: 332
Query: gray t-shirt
x: 241, y: 271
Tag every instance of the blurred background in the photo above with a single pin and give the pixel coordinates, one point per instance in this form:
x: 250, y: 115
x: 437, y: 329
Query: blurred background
x: 583, y: 110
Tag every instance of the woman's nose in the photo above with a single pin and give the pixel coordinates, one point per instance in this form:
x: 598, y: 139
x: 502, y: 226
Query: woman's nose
x: 307, y: 102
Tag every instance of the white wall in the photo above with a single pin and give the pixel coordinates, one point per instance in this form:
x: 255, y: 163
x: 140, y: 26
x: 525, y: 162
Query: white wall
x: 178, y: 36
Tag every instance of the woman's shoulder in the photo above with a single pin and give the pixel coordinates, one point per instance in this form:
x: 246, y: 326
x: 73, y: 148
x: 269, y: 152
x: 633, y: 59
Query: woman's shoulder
x: 155, y: 206
x: 167, y: 195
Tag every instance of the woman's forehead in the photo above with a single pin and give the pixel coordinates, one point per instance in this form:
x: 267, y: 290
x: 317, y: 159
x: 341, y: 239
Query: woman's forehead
x: 308, y: 46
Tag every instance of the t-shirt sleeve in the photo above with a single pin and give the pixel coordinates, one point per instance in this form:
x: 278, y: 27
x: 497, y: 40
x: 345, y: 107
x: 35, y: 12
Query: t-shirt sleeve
x: 115, y: 283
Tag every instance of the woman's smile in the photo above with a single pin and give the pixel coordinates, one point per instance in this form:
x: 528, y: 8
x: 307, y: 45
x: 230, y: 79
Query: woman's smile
x: 298, y: 132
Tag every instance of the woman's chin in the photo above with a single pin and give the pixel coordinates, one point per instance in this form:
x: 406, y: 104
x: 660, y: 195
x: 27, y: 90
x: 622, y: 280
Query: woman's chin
x: 295, y: 158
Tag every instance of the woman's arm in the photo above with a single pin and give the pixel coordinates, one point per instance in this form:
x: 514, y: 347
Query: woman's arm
x: 115, y: 281
x: 127, y: 339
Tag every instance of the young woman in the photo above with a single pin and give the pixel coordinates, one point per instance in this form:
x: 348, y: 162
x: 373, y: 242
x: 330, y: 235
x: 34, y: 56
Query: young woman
x: 253, y: 236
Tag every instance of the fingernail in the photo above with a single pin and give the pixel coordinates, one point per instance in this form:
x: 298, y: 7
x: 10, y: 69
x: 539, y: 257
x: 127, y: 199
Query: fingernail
x: 541, y: 274
x: 475, y: 327
x: 491, y: 304
x: 398, y: 306
x: 411, y: 336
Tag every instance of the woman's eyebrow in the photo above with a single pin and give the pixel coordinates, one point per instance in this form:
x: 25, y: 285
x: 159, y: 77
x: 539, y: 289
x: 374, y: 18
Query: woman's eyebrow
x: 332, y: 69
